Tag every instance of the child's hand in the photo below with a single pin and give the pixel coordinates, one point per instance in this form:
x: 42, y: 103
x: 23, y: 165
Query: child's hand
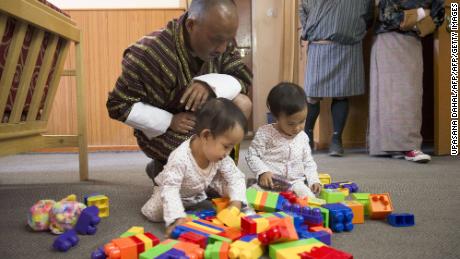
x: 265, y: 180
x: 170, y: 228
x: 316, y: 188
x: 236, y: 204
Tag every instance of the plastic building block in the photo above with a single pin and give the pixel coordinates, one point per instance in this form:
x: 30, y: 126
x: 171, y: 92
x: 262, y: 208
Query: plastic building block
x: 290, y: 196
x: 245, y: 250
x: 172, y: 254
x: 289, y: 250
x: 121, y: 248
x: 313, y: 201
x: 98, y: 254
x: 158, y: 249
x: 380, y: 206
x: 332, y: 195
x: 221, y: 203
x: 312, y: 216
x: 358, y: 211
x: 87, y: 221
x: 66, y: 241
x: 133, y: 231
x: 362, y: 198
x: 324, y: 178
x: 340, y: 217
x: 231, y: 233
x: 230, y: 217
x: 401, y: 219
x: 325, y: 252
x: 100, y: 201
x: 323, y: 236
x: 320, y: 228
x: 193, y: 251
x: 194, y: 238
x: 217, y: 250
x: 275, y: 234
x: 217, y: 238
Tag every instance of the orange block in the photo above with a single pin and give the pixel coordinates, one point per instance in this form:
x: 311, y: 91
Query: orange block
x: 358, y: 211
x: 302, y: 201
x: 380, y: 205
x: 220, y: 203
x: 193, y: 251
x: 223, y: 253
x: 263, y: 199
x: 231, y: 233
x: 319, y: 228
x: 127, y: 248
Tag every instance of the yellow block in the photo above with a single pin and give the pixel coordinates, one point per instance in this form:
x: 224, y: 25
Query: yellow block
x: 245, y: 250
x: 230, y: 217
x: 345, y: 191
x: 136, y: 229
x: 293, y: 252
x: 257, y: 201
x: 313, y: 201
x: 324, y: 178
x: 147, y: 241
x: 262, y: 224
x: 204, y: 228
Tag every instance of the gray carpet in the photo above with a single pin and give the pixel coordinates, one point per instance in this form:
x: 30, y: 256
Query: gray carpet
x: 430, y: 191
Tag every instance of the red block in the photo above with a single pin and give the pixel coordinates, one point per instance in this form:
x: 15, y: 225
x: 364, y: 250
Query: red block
x: 248, y: 226
x: 139, y: 243
x: 155, y: 240
x: 325, y: 252
x: 195, y: 238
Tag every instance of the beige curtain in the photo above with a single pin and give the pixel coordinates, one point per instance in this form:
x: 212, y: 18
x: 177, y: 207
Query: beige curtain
x: 291, y: 47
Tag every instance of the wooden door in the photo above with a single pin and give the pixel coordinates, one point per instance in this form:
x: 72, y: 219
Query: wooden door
x: 442, y: 88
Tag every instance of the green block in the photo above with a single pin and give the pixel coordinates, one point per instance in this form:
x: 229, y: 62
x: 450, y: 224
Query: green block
x: 128, y: 234
x: 215, y: 238
x: 251, y: 194
x: 272, y: 200
x: 362, y: 198
x: 212, y: 251
x: 157, y: 250
x: 332, y: 195
x: 325, y: 213
x: 280, y: 246
x: 192, y: 216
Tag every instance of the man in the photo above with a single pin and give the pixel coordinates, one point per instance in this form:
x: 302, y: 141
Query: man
x: 169, y: 74
x: 335, y: 68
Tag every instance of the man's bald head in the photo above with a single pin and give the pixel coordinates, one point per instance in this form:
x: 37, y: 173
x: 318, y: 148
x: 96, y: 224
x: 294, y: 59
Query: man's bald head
x: 200, y: 9
x: 211, y: 25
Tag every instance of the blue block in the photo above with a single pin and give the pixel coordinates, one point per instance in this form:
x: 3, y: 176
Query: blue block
x: 280, y: 202
x: 178, y: 230
x: 248, y: 238
x: 298, y: 219
x: 401, y: 219
x: 303, y: 232
x: 66, y: 240
x: 98, y: 254
x: 207, y: 225
x: 322, y: 236
x: 87, y: 221
x: 173, y: 254
x: 340, y: 217
x: 205, y: 213
x: 312, y: 216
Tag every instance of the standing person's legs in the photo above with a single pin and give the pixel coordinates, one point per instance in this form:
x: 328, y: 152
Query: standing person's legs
x: 339, y: 110
x: 313, y: 104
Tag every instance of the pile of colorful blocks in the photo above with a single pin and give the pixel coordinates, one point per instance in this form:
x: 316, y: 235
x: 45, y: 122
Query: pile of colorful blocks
x: 285, y: 225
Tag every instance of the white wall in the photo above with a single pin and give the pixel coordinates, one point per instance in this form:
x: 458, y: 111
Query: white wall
x: 117, y: 4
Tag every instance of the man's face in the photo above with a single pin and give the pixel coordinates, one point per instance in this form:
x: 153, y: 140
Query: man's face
x: 210, y: 36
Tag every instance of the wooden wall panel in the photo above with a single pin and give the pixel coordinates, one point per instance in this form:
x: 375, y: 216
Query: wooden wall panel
x: 106, y: 33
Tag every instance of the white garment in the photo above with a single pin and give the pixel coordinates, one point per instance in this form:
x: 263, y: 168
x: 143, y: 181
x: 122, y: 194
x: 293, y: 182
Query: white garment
x: 183, y: 183
x: 289, y: 157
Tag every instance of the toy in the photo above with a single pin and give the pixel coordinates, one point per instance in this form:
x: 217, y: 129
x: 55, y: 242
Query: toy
x: 358, y: 211
x: 230, y: 217
x: 324, y: 178
x: 289, y: 250
x: 133, y: 231
x: 325, y: 252
x: 55, y: 216
x: 362, y: 198
x: 220, y: 203
x: 86, y: 223
x: 332, y: 195
x: 340, y: 217
x: 401, y: 219
x: 380, y: 206
x: 100, y: 201
x: 245, y: 250
x: 217, y: 250
x: 66, y: 241
x: 194, y: 238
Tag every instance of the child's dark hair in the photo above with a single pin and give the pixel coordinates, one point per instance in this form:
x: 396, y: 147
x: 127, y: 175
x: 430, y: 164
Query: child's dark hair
x: 287, y: 98
x: 219, y: 115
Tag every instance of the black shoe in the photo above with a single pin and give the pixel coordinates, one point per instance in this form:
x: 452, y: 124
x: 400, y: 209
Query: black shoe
x: 336, y: 148
x: 310, y: 138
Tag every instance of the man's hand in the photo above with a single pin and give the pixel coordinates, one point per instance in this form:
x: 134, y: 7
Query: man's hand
x: 171, y: 227
x: 195, y: 96
x: 316, y: 188
x: 265, y: 180
x: 183, y: 122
